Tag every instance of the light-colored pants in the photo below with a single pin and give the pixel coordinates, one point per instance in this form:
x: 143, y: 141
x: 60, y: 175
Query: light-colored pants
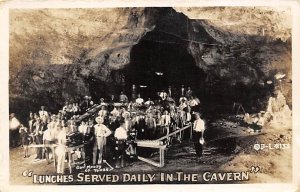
x: 61, y: 156
x: 99, y: 145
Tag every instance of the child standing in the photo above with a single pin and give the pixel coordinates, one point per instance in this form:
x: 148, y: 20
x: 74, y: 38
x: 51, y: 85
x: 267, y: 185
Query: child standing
x: 25, y: 139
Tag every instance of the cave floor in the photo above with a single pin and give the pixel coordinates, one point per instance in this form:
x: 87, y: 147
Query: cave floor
x: 226, y: 142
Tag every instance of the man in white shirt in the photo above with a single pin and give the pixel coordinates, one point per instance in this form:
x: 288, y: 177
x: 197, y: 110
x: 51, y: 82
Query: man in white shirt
x: 60, y: 150
x: 116, y: 111
x: 149, y: 102
x: 139, y: 100
x: 188, y: 115
x: 165, y: 122
x: 83, y: 128
x: 121, y: 133
x: 101, y: 132
x: 165, y: 118
x: 103, y: 112
x: 121, y: 136
x: 48, y: 140
x: 194, y: 103
x: 43, y: 114
x: 14, y: 125
x: 198, y: 128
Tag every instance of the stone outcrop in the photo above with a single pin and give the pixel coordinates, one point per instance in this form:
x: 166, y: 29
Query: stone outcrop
x: 278, y: 112
x: 65, y: 54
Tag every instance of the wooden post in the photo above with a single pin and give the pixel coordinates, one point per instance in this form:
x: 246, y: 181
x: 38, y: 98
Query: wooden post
x: 69, y: 161
x: 162, y: 154
x: 191, y: 133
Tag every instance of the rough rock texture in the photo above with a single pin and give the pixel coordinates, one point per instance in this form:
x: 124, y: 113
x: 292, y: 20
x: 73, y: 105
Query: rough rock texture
x: 279, y: 111
x: 277, y: 114
x: 273, y: 22
x: 59, y: 54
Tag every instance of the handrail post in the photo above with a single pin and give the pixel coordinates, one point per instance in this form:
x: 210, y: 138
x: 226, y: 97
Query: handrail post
x: 191, y: 133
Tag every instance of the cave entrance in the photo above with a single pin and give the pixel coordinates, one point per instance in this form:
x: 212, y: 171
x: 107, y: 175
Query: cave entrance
x: 158, y: 62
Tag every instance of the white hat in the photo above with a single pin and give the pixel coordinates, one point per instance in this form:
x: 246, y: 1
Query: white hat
x: 201, y: 140
x: 99, y: 119
x: 117, y: 104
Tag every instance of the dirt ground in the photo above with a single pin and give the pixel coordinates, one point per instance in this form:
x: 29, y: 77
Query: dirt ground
x: 228, y: 148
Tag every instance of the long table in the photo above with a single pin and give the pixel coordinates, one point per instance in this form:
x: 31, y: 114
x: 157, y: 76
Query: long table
x: 161, y: 149
x: 159, y: 144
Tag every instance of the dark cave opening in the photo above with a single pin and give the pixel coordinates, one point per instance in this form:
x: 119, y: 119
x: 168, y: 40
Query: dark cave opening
x: 155, y: 65
x: 168, y: 55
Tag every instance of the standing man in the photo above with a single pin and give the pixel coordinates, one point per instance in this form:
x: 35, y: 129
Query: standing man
x: 48, y: 141
x: 43, y: 114
x: 121, y: 136
x: 134, y: 93
x: 163, y: 95
x: 38, y: 133
x: 103, y: 113
x: 170, y: 92
x: 139, y: 100
x: 14, y: 125
x: 89, y: 140
x: 182, y: 91
x: 87, y: 103
x: 101, y: 132
x: 189, y: 93
x: 127, y: 121
x: 123, y: 98
x: 165, y: 122
x: 150, y: 125
x: 198, y: 131
x: 112, y: 98
x: 60, y: 150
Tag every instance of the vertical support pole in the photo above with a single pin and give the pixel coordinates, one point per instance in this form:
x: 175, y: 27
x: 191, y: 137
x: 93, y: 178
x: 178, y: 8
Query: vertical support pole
x: 69, y: 159
x: 191, y: 133
x: 53, y: 155
x: 162, y: 157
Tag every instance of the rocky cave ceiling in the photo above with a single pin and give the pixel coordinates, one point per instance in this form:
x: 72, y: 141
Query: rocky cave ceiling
x: 60, y: 54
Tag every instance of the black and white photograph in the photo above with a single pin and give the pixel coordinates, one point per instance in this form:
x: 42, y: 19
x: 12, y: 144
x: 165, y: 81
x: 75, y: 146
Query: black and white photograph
x: 150, y: 95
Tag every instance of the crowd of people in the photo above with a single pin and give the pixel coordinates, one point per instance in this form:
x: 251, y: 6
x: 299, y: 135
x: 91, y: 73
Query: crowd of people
x: 111, y: 131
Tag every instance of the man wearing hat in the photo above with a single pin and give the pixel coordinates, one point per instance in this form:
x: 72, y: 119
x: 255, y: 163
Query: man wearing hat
x: 101, y: 132
x: 198, y: 131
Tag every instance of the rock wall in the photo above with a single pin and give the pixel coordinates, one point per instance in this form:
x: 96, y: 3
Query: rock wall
x: 59, y: 54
